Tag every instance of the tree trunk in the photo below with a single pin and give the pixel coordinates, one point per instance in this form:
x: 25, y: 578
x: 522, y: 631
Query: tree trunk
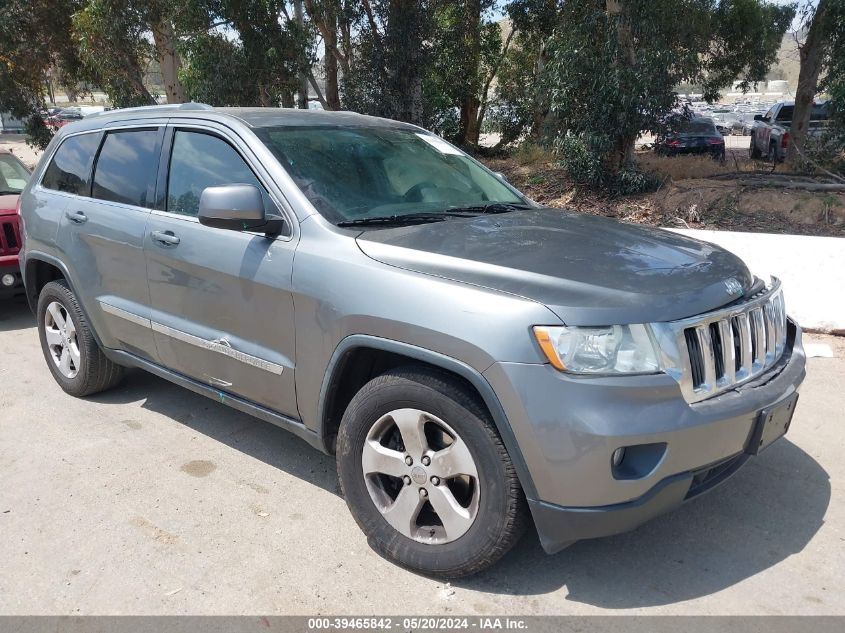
x: 332, y: 85
x: 485, y: 90
x: 325, y: 18
x: 404, y: 46
x: 302, y: 88
x: 168, y: 58
x: 812, y: 54
x: 470, y: 102
x: 539, y: 99
x: 622, y: 154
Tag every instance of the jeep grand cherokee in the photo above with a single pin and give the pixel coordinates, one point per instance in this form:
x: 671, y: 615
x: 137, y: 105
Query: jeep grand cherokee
x: 476, y: 363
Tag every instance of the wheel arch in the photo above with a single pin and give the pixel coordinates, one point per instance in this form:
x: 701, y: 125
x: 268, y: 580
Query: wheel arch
x: 40, y: 269
x: 359, y: 358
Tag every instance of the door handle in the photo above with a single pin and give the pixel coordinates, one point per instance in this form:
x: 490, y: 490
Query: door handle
x: 77, y: 217
x: 165, y: 238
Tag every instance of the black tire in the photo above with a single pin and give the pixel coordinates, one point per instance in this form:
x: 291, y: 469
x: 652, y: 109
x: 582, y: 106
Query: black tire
x: 95, y: 372
x: 754, y: 151
x: 501, y: 516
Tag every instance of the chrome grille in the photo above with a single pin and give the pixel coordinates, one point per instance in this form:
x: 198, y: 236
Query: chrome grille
x: 711, y: 353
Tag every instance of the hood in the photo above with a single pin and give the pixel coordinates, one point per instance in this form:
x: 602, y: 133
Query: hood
x: 588, y: 270
x: 8, y: 204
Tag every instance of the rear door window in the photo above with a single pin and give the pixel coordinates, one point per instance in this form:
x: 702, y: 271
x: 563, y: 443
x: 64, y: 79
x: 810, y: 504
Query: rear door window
x: 127, y: 167
x: 70, y: 169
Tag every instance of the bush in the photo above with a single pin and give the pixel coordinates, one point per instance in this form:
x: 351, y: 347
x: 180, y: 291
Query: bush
x: 631, y: 181
x: 584, y: 165
x: 581, y: 164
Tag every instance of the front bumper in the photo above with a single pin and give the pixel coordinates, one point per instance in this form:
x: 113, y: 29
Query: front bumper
x: 568, y: 428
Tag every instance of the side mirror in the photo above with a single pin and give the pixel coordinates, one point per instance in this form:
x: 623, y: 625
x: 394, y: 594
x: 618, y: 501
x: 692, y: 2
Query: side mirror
x: 759, y: 117
x: 237, y: 208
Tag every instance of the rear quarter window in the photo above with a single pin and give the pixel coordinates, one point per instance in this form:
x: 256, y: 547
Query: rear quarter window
x: 70, y: 169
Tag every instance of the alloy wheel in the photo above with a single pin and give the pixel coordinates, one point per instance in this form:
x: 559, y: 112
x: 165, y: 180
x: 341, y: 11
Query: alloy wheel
x: 421, y: 476
x: 62, y: 341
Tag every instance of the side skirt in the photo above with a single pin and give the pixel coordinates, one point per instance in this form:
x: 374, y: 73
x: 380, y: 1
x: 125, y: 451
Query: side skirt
x: 288, y: 424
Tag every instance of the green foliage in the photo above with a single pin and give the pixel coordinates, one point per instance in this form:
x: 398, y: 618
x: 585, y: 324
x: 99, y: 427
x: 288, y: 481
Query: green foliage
x: 518, y: 105
x: 614, y: 75
x: 34, y: 42
x: 584, y: 164
x: 276, y: 50
x: 613, y: 67
x: 109, y: 35
x: 834, y: 81
x: 599, y: 71
x: 213, y: 71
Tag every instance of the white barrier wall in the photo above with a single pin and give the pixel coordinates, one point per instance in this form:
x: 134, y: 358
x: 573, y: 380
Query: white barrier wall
x: 812, y: 270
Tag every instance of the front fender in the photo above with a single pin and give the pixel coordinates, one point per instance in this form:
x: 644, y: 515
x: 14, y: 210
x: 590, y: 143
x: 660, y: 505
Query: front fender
x: 442, y: 361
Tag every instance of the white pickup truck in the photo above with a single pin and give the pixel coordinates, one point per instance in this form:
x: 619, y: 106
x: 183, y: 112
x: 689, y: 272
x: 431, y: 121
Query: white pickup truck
x: 770, y: 132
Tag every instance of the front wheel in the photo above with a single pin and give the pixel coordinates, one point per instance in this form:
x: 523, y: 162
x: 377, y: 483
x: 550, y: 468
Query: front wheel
x: 426, y: 476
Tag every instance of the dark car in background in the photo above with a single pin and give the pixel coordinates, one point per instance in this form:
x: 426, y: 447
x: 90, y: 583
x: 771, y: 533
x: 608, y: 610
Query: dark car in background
x: 695, y: 135
x: 13, y: 178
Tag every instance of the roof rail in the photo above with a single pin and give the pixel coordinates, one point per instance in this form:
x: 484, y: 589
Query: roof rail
x: 191, y: 105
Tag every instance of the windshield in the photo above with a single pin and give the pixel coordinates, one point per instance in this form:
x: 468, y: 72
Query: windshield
x: 13, y: 175
x: 351, y: 174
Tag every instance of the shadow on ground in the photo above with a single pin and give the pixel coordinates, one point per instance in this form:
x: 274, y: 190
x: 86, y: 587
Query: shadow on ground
x: 767, y: 512
x: 15, y: 315
x: 251, y: 436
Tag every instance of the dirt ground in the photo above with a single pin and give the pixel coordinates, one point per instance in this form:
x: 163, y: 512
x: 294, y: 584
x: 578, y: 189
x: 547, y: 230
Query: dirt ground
x: 697, y: 193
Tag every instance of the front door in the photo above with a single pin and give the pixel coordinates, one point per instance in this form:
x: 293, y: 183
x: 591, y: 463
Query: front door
x: 222, y: 309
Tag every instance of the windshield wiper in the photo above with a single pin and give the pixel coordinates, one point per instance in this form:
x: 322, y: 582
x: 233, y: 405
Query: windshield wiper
x: 492, y: 207
x: 8, y: 192
x: 439, y: 216
x: 407, y: 218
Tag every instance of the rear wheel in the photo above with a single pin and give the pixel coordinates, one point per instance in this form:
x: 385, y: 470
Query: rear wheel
x: 426, y: 475
x: 72, y: 354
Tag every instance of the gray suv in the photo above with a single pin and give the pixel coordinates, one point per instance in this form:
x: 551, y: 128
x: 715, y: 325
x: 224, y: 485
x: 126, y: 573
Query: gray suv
x: 476, y: 363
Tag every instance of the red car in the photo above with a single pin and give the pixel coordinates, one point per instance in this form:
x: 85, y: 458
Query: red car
x: 13, y: 178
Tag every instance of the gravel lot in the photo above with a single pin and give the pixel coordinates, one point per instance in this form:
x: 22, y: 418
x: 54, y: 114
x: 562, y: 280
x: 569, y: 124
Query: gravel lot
x: 152, y: 500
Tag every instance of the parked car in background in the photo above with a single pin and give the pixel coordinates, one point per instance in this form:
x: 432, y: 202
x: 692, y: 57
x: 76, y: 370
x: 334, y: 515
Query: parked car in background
x: 695, y: 135
x: 64, y: 116
x: 13, y: 178
x: 467, y: 355
x: 770, y: 135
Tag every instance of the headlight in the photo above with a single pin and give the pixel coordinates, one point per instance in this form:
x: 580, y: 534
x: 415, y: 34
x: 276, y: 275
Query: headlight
x: 614, y: 349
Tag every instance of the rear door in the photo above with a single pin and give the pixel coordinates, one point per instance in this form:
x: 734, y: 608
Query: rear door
x: 102, y: 234
x: 222, y: 308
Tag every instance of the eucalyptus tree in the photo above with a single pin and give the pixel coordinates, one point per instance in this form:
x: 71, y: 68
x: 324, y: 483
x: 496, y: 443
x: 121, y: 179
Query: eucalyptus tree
x: 35, y: 48
x: 822, y: 65
x: 613, y: 65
